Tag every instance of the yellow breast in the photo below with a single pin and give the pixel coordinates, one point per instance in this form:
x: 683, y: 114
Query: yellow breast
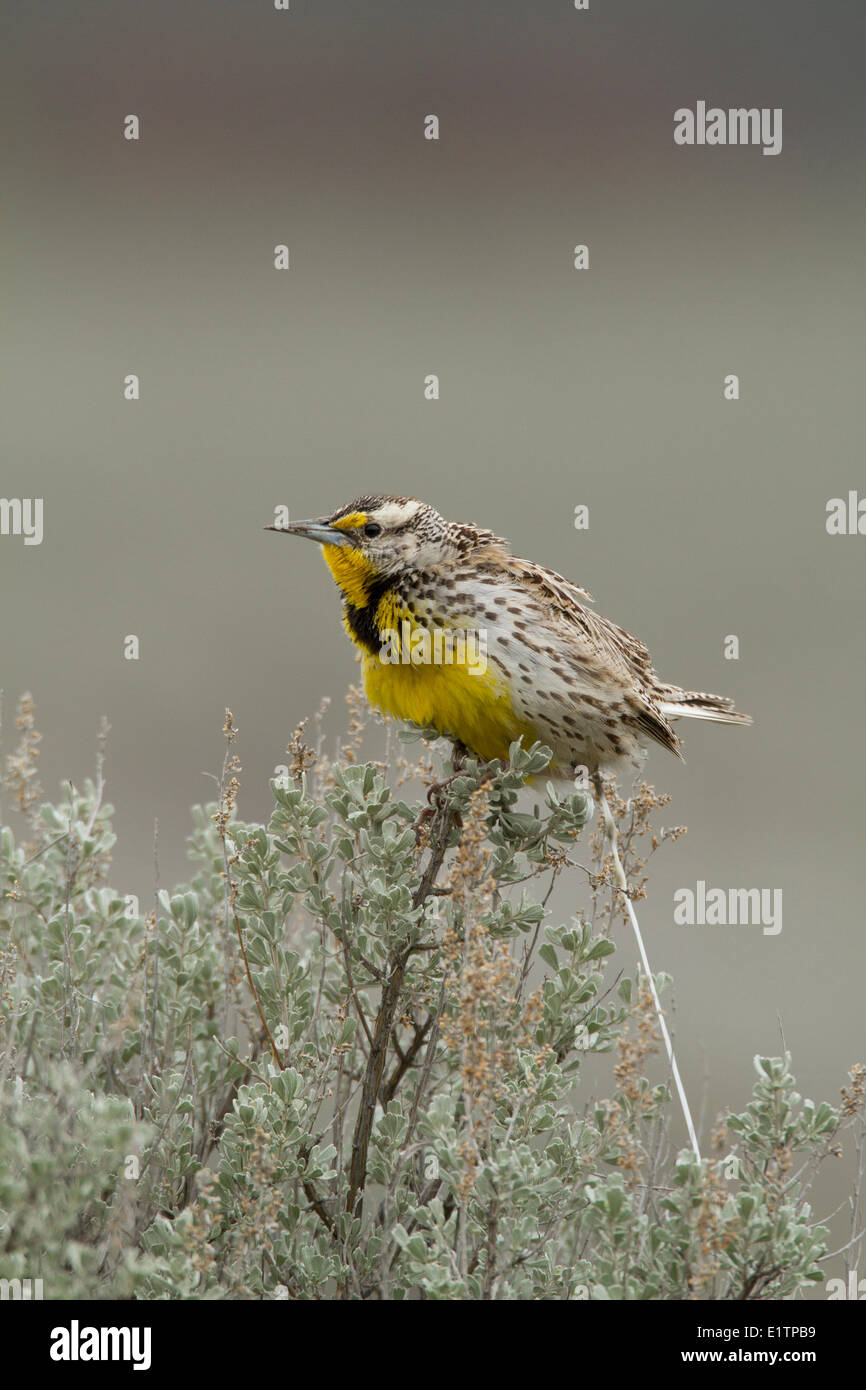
x: 451, y: 687
x: 476, y: 709
x: 460, y: 697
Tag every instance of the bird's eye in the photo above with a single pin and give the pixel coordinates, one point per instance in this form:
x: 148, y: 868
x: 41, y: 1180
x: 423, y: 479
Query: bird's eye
x: 372, y: 529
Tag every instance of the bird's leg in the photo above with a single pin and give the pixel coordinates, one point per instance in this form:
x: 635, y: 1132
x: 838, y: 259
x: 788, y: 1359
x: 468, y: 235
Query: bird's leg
x: 459, y: 754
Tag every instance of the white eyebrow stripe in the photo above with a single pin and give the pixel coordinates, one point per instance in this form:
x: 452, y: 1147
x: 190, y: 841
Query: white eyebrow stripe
x: 395, y: 513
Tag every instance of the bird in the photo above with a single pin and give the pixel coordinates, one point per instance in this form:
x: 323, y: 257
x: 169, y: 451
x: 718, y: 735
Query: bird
x: 459, y: 636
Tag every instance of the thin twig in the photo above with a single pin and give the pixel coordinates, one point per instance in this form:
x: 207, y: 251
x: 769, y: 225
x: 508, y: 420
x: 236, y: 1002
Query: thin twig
x: 254, y: 992
x: 622, y: 884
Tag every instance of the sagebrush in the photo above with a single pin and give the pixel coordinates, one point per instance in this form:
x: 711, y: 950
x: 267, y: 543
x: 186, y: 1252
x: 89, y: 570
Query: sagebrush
x: 346, y: 1059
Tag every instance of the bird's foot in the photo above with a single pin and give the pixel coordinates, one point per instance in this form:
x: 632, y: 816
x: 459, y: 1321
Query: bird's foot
x: 432, y: 810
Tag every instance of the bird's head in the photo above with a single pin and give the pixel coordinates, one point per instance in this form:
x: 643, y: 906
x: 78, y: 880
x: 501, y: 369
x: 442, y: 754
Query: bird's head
x: 378, y: 537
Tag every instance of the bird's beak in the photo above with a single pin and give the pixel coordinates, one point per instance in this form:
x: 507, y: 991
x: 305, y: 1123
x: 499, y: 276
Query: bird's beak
x: 320, y: 531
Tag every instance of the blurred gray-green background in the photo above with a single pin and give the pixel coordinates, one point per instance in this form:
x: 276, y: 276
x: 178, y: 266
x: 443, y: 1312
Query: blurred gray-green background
x: 558, y: 387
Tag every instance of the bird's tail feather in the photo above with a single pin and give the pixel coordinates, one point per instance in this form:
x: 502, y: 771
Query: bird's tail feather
x: 697, y: 704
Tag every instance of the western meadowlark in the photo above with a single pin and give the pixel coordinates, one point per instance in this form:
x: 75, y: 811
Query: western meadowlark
x: 523, y: 656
